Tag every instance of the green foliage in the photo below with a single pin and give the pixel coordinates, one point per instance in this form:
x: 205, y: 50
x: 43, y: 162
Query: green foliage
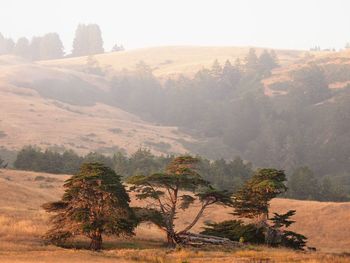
x: 235, y: 230
x: 303, y: 184
x: 95, y: 203
x: 88, y: 40
x: 2, y: 163
x: 165, y: 193
x: 280, y: 236
x: 253, y: 200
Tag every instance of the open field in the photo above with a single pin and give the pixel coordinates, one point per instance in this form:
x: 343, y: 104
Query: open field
x: 173, y: 60
x: 23, y: 222
x: 29, y: 115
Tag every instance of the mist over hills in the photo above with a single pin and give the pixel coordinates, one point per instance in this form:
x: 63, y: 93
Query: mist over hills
x: 280, y: 108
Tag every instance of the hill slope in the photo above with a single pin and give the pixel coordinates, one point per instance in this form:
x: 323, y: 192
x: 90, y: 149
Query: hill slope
x: 55, y: 107
x: 55, y: 104
x: 173, y: 60
x: 23, y: 221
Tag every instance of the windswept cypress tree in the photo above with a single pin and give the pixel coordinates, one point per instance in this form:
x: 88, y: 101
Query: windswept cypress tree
x: 253, y: 200
x: 95, y: 203
x: 167, y: 192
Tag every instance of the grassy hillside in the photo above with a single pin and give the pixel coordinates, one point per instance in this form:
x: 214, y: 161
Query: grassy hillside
x: 53, y: 103
x: 55, y: 107
x: 336, y: 67
x: 23, y: 221
x: 173, y: 60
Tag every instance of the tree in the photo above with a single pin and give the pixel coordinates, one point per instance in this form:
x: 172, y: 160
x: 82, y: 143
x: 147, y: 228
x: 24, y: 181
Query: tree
x: 117, y: 48
x: 278, y: 235
x: 235, y: 230
x: 2, y: 163
x: 22, y: 48
x: 253, y: 200
x: 251, y: 61
x: 303, y: 184
x: 51, y: 47
x: 267, y: 61
x: 6, y: 45
x: 94, y: 204
x: 216, y: 69
x: 93, y: 66
x: 88, y: 40
x: 167, y: 192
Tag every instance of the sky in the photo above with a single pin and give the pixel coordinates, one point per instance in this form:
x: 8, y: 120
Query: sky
x: 285, y: 24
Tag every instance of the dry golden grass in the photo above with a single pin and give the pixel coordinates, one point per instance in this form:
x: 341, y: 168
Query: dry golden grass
x: 27, y: 118
x: 283, y: 73
x: 23, y: 222
x: 172, y: 60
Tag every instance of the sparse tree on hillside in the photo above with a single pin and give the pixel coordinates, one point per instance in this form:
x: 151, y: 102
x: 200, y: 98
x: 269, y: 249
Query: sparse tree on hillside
x: 253, y: 200
x: 167, y: 190
x: 6, y: 45
x: 278, y: 235
x: 88, y: 40
x: 22, y: 48
x: 268, y: 61
x: 117, y: 48
x: 94, y: 204
x: 252, y: 61
x: 93, y: 66
x: 51, y: 47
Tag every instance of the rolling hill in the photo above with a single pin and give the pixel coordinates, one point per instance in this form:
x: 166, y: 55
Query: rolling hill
x: 56, y: 104
x: 23, y: 221
x: 170, y: 61
x: 58, y: 108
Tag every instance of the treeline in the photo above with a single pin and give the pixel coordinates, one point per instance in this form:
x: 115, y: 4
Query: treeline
x: 224, y: 175
x: 88, y: 41
x: 225, y: 108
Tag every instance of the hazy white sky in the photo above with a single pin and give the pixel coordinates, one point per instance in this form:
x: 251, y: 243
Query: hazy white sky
x: 292, y: 24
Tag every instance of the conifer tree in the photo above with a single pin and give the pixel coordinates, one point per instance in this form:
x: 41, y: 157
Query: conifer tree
x: 167, y: 192
x: 253, y: 200
x: 94, y: 204
x: 88, y: 40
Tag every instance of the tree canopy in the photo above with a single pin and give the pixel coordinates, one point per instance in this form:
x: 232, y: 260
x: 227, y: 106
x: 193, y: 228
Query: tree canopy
x: 94, y: 204
x: 178, y: 187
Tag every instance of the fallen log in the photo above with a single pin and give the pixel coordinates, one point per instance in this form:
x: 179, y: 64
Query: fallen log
x: 203, y: 240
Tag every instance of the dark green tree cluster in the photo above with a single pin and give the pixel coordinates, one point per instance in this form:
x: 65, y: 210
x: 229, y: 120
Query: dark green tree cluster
x: 236, y: 230
x: 88, y: 40
x: 252, y: 201
x: 225, y: 175
x: 45, y: 47
x: 95, y: 203
x: 304, y: 185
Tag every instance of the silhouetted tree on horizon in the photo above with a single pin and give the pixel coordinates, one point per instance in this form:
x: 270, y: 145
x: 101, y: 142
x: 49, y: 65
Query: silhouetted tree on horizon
x: 88, y: 40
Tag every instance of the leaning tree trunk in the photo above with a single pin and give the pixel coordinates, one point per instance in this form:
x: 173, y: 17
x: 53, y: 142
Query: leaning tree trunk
x: 171, y: 238
x: 96, y: 242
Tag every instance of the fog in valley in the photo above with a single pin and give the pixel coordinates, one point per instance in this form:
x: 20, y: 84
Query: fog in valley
x: 239, y: 105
